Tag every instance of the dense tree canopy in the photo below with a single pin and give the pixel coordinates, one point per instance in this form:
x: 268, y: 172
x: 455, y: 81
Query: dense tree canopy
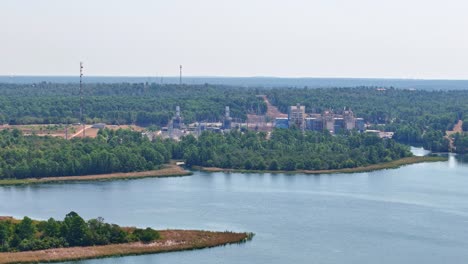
x: 73, y: 231
x: 461, y: 143
x: 112, y: 151
x: 126, y: 151
x: 122, y: 103
x: 287, y: 149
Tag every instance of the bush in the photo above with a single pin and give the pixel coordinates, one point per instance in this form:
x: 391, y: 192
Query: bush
x: 146, y: 235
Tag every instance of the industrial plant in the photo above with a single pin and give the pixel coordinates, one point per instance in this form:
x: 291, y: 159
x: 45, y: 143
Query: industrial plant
x: 328, y: 120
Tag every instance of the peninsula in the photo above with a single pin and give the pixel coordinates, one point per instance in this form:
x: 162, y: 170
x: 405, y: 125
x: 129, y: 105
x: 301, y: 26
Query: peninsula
x: 75, y: 239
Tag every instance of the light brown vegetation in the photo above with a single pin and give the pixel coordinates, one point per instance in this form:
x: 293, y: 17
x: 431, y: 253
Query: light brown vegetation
x: 59, y: 130
x: 458, y: 128
x: 171, y: 240
x: 168, y: 170
x: 259, y: 122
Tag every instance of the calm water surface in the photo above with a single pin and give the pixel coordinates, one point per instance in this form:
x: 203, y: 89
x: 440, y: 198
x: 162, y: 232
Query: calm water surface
x: 415, y: 214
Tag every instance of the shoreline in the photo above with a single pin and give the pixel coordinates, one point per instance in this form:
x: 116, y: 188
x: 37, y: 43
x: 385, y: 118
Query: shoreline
x: 169, y: 170
x: 171, y: 240
x: 172, y: 170
x: 374, y: 167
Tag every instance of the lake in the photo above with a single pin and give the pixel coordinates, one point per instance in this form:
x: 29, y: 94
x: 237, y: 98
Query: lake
x: 414, y: 214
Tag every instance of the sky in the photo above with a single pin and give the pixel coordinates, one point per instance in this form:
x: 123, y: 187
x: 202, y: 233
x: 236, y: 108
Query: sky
x: 423, y: 39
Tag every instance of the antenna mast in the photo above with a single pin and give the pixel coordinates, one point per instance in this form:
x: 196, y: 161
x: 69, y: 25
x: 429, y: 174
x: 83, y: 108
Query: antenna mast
x: 180, y: 75
x: 81, y: 98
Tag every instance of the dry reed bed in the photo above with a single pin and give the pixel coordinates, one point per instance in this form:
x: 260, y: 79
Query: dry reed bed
x: 168, y: 170
x: 171, y: 240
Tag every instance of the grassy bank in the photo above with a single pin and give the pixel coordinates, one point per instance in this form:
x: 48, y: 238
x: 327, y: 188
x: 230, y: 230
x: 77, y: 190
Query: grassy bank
x: 387, y: 165
x: 168, y: 170
x: 171, y: 240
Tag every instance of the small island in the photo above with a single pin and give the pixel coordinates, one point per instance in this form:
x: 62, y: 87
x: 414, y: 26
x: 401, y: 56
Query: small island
x: 30, y: 241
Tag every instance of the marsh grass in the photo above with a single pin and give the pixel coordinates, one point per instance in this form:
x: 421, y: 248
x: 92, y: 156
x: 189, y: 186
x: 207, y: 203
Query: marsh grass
x: 171, y: 240
x: 168, y: 171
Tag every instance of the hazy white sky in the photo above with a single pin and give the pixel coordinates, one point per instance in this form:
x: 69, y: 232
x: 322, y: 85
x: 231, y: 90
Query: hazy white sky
x: 289, y: 38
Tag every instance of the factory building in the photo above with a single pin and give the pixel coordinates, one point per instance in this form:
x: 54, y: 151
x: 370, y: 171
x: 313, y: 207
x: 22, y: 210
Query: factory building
x: 282, y: 122
x: 314, y: 123
x: 335, y: 123
x: 227, y: 122
x: 349, y: 119
x: 297, y: 116
x: 177, y: 120
x: 339, y: 125
x: 360, y: 124
x: 328, y: 121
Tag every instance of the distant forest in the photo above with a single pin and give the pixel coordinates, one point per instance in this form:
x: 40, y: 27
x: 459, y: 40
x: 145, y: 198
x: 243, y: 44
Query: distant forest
x: 123, y: 103
x: 418, y: 117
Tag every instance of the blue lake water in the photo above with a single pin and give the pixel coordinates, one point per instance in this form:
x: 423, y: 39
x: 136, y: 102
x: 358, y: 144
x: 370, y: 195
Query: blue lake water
x: 414, y: 214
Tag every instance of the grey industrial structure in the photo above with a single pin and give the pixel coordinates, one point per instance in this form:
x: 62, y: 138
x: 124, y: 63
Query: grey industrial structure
x: 227, y: 122
x: 177, y: 120
x: 328, y: 120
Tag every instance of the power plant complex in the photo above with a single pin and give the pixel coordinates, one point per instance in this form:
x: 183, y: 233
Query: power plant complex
x: 328, y: 120
x: 297, y: 117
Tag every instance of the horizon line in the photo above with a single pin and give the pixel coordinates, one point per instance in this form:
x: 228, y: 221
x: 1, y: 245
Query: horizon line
x: 236, y: 77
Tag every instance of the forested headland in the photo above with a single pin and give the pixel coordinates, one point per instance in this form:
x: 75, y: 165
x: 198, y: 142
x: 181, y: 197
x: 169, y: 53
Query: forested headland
x: 26, y: 234
x: 288, y: 150
x: 73, y: 238
x: 127, y: 151
x: 112, y: 151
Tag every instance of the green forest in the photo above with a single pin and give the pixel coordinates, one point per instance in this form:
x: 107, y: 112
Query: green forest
x: 418, y: 117
x: 27, y: 234
x: 287, y: 149
x: 112, y: 151
x: 142, y: 104
x: 127, y: 151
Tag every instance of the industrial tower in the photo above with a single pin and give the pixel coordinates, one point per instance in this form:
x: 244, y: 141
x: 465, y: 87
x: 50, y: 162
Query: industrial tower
x: 180, y: 75
x: 81, y: 100
x: 227, y: 119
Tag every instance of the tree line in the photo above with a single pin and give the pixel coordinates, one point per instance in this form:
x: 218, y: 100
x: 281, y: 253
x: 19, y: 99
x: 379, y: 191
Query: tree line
x: 287, y: 149
x: 461, y: 142
x: 73, y: 231
x: 127, y: 151
x: 112, y: 151
x: 123, y: 103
